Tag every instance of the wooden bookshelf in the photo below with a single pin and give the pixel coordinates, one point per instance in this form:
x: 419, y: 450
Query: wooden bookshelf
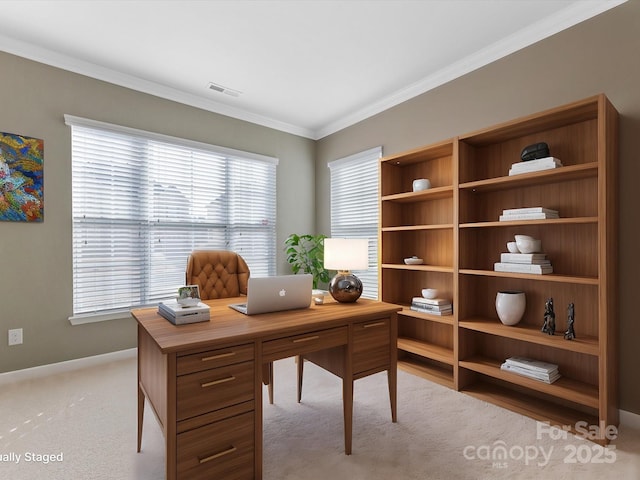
x: 454, y: 226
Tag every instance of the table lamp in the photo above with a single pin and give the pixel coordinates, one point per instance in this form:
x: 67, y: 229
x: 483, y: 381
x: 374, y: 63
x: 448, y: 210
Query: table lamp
x: 343, y: 255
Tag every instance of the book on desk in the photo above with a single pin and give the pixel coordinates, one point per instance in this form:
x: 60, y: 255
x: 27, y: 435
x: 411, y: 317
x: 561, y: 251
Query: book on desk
x: 179, y: 315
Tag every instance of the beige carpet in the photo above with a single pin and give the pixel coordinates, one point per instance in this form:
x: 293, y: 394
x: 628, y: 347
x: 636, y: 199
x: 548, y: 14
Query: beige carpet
x: 84, y: 424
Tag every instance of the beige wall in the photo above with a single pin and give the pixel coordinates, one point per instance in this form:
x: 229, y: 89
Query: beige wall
x: 35, y: 259
x: 600, y: 55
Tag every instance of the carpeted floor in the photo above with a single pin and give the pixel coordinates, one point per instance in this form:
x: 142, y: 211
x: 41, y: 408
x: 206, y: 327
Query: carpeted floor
x: 82, y: 426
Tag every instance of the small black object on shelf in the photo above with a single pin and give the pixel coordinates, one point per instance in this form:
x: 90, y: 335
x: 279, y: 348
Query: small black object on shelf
x: 534, y: 151
x: 549, y: 326
x: 570, y: 334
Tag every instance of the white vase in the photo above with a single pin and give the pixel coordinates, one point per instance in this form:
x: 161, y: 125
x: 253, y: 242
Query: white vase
x: 510, y: 305
x: 420, y: 184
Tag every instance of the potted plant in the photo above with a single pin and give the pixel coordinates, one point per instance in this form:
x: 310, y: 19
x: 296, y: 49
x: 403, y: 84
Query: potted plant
x: 305, y: 254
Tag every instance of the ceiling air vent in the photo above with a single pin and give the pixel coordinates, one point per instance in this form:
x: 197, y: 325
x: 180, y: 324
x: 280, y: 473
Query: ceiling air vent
x: 219, y: 88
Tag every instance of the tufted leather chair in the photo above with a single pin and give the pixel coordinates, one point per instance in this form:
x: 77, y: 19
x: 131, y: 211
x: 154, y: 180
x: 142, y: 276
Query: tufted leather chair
x: 222, y: 274
x: 218, y: 273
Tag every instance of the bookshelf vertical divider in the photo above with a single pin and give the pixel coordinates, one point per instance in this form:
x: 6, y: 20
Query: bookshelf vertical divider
x: 454, y: 227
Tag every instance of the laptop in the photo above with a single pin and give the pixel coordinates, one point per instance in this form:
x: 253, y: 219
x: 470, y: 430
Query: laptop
x: 277, y: 293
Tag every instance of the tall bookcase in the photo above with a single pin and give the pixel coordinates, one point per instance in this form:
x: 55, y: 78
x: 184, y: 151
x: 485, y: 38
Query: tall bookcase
x: 454, y: 227
x: 421, y: 224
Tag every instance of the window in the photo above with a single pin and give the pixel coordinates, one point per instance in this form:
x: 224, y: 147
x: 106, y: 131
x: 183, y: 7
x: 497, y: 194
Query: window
x: 142, y: 202
x: 354, y: 208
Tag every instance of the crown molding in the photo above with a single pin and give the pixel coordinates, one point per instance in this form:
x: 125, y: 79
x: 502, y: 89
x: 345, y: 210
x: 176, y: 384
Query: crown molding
x: 566, y: 18
x: 92, y: 70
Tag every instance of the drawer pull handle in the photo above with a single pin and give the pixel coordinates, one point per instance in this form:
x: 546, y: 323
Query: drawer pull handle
x: 218, y: 382
x: 377, y: 324
x: 306, y: 339
x: 216, y: 357
x: 218, y: 455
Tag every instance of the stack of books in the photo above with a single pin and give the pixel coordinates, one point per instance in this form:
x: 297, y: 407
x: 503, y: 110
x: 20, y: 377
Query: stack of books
x: 528, y: 213
x: 529, y: 166
x: 179, y: 315
x: 537, y: 263
x: 434, y: 306
x: 542, y: 371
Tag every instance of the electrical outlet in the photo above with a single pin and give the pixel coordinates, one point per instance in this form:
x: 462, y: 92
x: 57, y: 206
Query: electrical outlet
x: 15, y: 336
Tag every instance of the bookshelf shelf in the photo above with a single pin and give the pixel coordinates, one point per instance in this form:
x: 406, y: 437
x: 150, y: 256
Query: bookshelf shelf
x: 548, y: 222
x: 531, y: 334
x: 418, y: 268
x: 427, y: 350
x: 446, y: 319
x: 564, y: 388
x: 556, y: 175
x: 411, y: 228
x: 529, y: 276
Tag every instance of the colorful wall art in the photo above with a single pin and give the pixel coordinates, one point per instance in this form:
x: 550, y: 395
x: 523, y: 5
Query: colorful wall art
x: 21, y: 178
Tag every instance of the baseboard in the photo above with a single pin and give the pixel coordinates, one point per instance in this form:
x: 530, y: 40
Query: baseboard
x: 68, y: 366
x: 630, y: 419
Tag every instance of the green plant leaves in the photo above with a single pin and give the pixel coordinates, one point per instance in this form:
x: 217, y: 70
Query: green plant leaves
x: 305, y: 253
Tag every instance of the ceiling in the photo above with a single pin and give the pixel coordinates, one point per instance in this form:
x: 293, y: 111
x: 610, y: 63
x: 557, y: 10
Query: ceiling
x: 307, y: 67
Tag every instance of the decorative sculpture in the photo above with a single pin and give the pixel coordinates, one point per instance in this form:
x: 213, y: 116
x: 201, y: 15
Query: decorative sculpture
x: 570, y: 334
x: 549, y: 326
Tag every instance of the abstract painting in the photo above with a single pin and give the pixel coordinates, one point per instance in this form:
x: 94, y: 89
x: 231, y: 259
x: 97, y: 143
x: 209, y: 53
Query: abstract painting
x: 21, y: 178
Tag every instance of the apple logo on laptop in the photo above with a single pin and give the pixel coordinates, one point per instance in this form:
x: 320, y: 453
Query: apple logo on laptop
x: 282, y: 292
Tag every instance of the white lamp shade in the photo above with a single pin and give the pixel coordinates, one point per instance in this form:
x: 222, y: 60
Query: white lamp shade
x: 346, y: 253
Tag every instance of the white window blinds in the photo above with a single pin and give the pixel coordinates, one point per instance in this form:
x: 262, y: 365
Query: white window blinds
x: 354, y: 207
x: 142, y: 202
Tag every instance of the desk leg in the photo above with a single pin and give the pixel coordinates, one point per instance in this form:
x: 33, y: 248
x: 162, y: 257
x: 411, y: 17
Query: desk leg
x: 270, y: 387
x: 141, y: 399
x: 392, y: 375
x: 300, y: 364
x: 347, y: 394
x: 347, y: 397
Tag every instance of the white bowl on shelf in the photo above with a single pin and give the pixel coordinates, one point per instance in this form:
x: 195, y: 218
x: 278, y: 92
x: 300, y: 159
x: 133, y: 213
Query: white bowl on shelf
x: 413, y: 261
x: 420, y: 184
x: 512, y: 247
x: 527, y: 244
x: 429, y: 292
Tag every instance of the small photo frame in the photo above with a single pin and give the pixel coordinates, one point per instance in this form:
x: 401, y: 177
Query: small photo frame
x: 189, y: 296
x: 189, y: 291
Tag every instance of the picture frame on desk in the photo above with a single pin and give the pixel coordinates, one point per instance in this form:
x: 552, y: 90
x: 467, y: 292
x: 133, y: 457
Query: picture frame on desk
x: 189, y: 291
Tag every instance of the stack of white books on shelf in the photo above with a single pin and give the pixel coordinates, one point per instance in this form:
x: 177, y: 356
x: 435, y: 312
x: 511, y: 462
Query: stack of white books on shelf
x: 179, y: 315
x: 542, y: 371
x: 434, y: 306
x: 536, y: 263
x: 528, y: 213
x: 536, y: 165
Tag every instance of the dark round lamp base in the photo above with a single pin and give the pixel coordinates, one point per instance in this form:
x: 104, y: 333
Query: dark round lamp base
x: 345, y: 288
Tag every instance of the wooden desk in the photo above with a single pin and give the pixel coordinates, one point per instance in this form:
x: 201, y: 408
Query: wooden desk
x: 204, y: 380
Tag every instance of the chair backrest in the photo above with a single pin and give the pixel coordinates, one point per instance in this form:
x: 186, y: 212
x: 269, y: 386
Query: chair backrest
x: 218, y: 273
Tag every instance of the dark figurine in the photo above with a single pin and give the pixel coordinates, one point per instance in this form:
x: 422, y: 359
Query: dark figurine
x: 535, y: 151
x: 549, y: 326
x: 570, y: 334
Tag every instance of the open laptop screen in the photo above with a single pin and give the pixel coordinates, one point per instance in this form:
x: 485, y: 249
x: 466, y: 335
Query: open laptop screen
x: 276, y: 293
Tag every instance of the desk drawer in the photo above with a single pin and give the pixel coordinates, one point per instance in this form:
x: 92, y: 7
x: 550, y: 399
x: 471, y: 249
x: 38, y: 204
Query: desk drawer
x: 210, y: 390
x: 223, y: 450
x: 197, y: 362
x: 300, y: 344
x: 371, y: 345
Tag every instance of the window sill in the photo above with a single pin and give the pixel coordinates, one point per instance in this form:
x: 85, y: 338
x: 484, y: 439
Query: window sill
x: 99, y: 317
